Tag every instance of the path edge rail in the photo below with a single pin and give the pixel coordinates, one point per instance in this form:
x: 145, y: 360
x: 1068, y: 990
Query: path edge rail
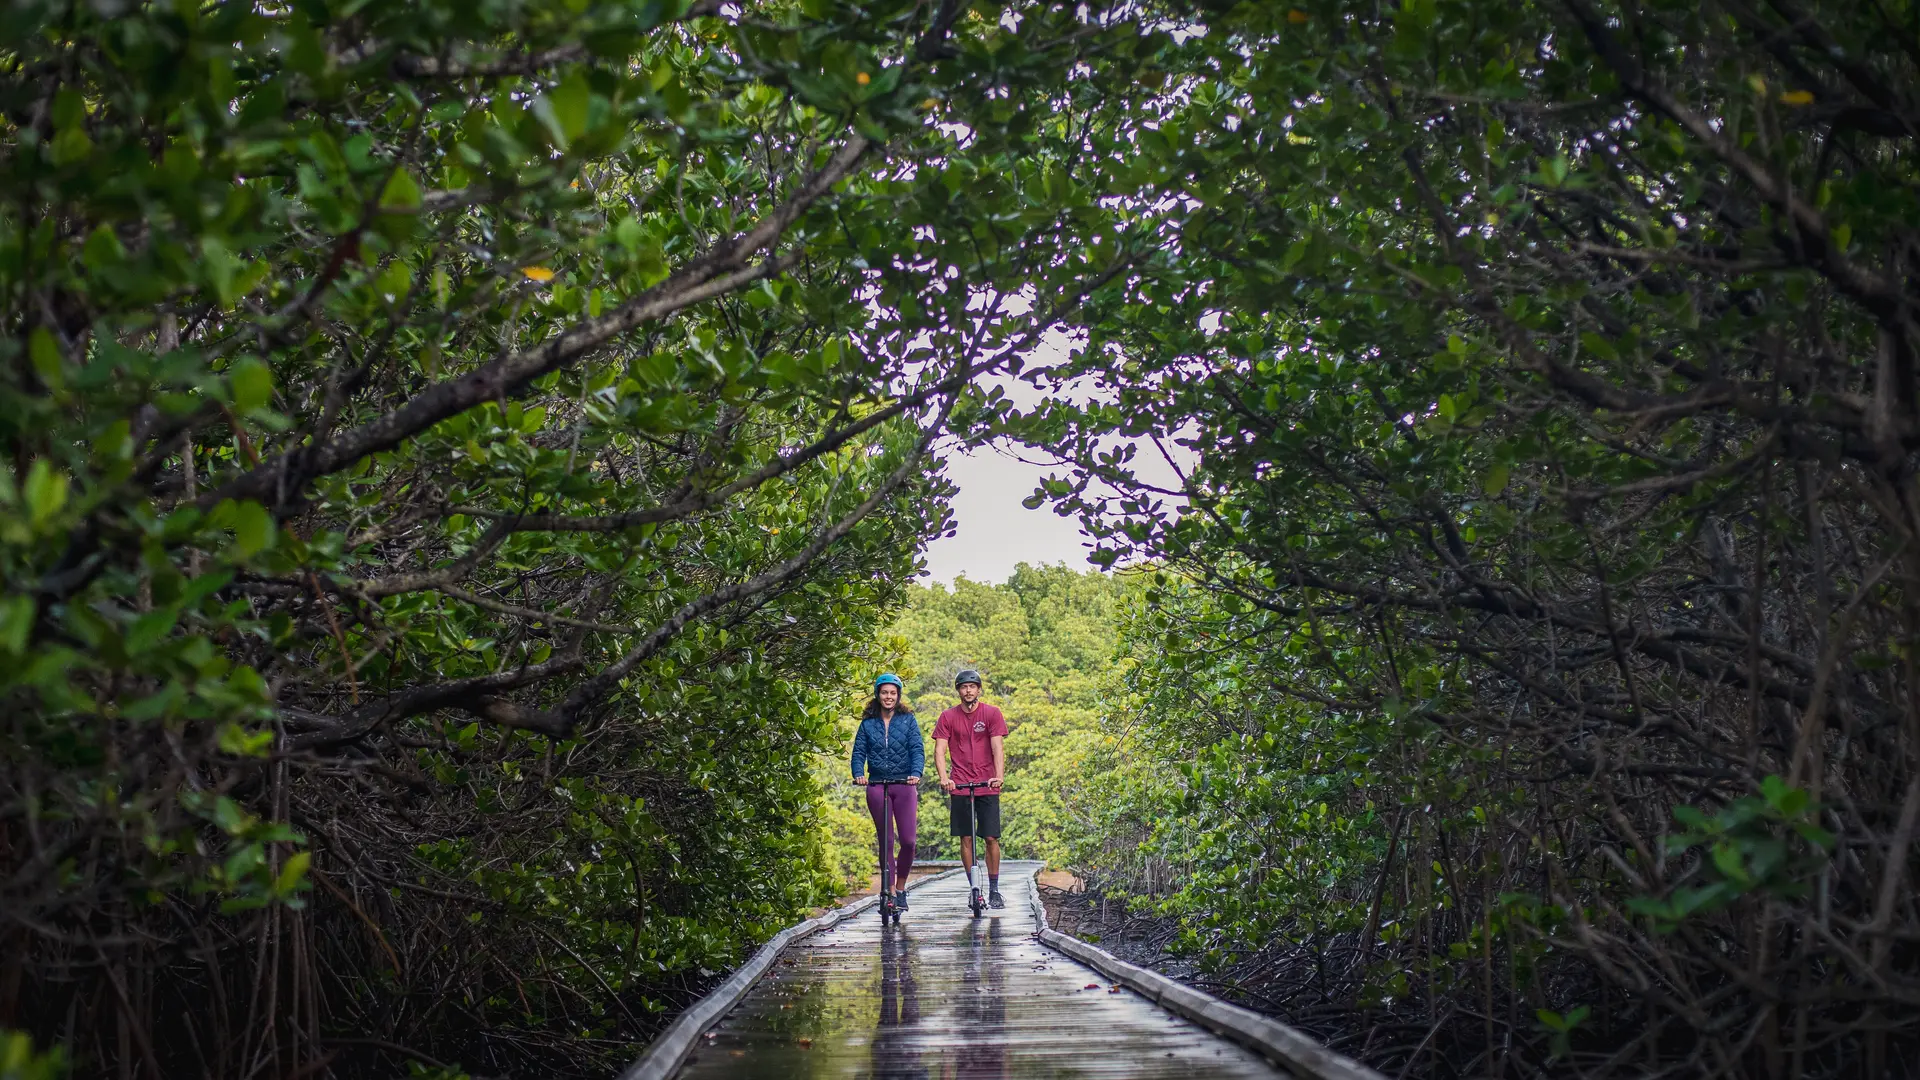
x: 1290, y: 1047
x: 664, y: 1055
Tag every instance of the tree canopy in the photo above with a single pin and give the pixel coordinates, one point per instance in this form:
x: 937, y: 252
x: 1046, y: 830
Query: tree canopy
x: 459, y: 456
x: 453, y: 454
x: 1538, y: 606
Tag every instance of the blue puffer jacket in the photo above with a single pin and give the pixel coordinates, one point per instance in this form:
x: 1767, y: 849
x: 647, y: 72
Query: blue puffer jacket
x: 893, y: 755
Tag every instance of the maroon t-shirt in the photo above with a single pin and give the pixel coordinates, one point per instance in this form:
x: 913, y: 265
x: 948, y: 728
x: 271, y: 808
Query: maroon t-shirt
x: 970, y: 743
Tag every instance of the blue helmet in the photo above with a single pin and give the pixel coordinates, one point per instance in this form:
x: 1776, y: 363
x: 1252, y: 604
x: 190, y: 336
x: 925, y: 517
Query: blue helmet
x: 889, y: 678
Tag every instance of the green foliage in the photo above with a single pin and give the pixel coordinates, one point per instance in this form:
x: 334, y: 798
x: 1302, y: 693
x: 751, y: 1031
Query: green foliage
x: 1533, y: 388
x: 1225, y: 802
x: 468, y: 448
x: 18, y: 1061
x: 1562, y: 1027
x: 1771, y: 843
x: 452, y: 452
x: 252, y: 875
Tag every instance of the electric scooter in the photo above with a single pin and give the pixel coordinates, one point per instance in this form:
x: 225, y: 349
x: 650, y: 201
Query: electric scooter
x: 887, y: 908
x: 977, y: 896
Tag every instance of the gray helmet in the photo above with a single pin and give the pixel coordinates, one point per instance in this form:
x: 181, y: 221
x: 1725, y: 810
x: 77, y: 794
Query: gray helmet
x: 967, y: 675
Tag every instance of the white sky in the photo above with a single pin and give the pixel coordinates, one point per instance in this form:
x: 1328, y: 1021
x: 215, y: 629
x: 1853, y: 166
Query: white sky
x: 992, y: 531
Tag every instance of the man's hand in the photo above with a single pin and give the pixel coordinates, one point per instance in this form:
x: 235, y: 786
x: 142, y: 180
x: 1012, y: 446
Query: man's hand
x: 994, y: 781
x: 947, y: 785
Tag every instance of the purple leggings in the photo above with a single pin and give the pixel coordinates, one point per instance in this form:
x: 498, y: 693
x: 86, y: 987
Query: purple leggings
x: 906, y: 820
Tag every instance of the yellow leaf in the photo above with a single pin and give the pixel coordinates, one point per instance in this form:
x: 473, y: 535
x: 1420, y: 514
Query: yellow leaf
x: 929, y: 104
x: 863, y: 78
x: 1797, y: 98
x: 537, y: 273
x: 1296, y: 16
x: 1757, y: 84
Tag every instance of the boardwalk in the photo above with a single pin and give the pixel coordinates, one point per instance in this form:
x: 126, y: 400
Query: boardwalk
x: 949, y: 996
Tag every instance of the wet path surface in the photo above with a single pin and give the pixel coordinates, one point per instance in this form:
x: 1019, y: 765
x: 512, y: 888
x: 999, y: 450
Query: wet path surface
x: 952, y: 997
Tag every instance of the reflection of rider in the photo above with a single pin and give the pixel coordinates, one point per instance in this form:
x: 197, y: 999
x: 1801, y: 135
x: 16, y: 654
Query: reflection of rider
x: 896, y: 1055
x: 982, y: 1030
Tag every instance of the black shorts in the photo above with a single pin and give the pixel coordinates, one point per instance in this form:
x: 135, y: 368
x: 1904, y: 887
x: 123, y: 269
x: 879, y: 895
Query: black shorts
x: 986, y: 815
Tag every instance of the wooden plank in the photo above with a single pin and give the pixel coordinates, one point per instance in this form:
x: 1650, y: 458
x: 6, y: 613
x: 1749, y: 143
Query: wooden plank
x: 666, y: 1052
x: 1302, y: 1055
x: 947, y: 995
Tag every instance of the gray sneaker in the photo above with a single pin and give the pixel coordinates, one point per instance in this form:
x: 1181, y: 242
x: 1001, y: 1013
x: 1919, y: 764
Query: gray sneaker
x: 995, y: 901
x: 900, y: 901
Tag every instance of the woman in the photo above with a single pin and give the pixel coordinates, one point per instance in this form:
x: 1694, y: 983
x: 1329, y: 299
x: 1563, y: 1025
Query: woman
x: 887, y: 748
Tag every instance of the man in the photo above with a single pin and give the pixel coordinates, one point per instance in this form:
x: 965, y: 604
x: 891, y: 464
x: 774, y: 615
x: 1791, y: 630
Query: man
x: 970, y: 747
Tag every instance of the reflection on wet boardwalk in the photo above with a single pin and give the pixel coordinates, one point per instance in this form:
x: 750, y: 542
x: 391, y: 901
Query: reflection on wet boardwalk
x: 949, y: 997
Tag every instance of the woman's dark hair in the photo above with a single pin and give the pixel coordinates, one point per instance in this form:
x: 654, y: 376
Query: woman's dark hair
x: 873, y: 706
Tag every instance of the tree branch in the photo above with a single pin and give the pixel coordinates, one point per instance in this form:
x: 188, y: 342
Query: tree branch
x: 278, y: 482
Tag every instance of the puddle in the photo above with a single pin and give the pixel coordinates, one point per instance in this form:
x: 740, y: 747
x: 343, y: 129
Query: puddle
x: 946, y: 996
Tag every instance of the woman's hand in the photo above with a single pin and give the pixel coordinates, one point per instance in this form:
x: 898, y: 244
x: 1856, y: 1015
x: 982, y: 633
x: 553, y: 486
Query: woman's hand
x: 861, y: 780
x: 913, y: 781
